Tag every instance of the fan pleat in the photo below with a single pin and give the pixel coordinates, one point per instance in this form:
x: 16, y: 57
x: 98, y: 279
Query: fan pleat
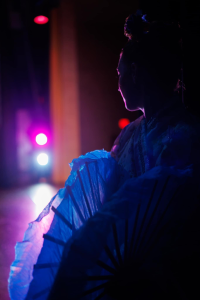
x: 111, y: 256
x: 134, y: 230
x: 76, y: 206
x: 47, y: 265
x: 106, y: 267
x: 117, y: 244
x: 53, y: 239
x: 99, y: 287
x: 62, y: 217
x: 145, y: 216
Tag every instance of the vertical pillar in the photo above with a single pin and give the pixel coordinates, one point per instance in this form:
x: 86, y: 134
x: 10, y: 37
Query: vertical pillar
x: 64, y: 100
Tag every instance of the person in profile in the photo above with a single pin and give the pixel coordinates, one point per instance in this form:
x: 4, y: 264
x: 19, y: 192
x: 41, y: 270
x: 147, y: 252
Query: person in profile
x: 125, y: 226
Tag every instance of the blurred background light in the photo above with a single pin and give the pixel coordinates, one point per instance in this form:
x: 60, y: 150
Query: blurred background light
x: 41, y: 194
x: 41, y: 19
x: 41, y: 139
x: 123, y: 123
x: 42, y: 159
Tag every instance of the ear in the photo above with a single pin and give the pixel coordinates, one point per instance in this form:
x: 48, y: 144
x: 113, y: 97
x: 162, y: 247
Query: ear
x: 134, y: 72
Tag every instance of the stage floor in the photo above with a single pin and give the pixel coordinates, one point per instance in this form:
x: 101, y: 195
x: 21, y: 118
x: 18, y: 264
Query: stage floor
x: 18, y: 207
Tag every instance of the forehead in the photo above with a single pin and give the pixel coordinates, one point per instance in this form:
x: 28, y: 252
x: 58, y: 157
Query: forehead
x: 123, y: 63
x: 120, y: 61
x: 128, y: 55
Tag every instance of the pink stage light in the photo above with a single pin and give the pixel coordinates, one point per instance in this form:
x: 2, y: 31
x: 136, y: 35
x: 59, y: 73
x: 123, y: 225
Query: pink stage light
x: 123, y: 123
x: 41, y: 20
x: 41, y: 139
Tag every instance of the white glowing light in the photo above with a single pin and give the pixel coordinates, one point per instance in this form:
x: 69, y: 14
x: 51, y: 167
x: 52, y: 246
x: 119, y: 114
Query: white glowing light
x: 41, y: 194
x: 41, y: 139
x: 42, y: 159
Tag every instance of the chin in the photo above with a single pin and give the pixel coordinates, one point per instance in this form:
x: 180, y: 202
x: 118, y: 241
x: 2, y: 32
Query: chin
x: 129, y: 105
x: 132, y: 108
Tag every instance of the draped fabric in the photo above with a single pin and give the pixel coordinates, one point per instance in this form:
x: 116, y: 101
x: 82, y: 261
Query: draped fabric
x: 96, y: 194
x: 125, y: 251
x: 93, y: 179
x: 170, y: 138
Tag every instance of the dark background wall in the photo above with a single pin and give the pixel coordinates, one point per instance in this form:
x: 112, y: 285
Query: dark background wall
x: 24, y: 68
x: 101, y: 105
x: 24, y: 62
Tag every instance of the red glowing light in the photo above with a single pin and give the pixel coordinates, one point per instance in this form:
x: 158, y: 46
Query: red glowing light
x: 41, y: 20
x: 123, y: 123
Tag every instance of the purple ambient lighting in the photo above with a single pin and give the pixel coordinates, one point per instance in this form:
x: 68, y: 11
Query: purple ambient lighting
x: 41, y: 139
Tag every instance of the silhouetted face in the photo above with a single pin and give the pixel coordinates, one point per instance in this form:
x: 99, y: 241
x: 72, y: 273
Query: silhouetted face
x: 129, y: 85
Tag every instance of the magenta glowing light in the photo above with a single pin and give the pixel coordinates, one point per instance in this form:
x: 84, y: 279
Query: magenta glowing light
x: 41, y: 139
x: 41, y: 20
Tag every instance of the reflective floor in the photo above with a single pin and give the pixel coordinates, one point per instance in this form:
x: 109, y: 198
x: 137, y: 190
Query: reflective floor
x: 18, y: 207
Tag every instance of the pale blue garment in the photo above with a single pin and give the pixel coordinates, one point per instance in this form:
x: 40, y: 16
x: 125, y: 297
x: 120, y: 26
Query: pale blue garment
x: 170, y: 140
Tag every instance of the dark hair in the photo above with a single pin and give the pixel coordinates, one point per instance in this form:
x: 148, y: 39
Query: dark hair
x: 156, y: 47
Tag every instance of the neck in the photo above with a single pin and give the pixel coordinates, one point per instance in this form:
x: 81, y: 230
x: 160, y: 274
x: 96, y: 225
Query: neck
x: 155, y: 103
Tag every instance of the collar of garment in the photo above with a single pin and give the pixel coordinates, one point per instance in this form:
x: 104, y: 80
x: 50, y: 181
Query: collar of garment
x: 165, y: 140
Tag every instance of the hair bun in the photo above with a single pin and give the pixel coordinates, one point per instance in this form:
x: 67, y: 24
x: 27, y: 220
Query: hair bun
x: 135, y: 26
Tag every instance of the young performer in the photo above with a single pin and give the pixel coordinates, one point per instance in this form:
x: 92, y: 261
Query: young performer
x: 88, y: 228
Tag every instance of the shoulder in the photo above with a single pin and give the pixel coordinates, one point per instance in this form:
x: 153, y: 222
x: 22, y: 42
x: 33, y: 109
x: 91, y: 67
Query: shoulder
x: 125, y: 135
x: 181, y: 142
x: 189, y: 124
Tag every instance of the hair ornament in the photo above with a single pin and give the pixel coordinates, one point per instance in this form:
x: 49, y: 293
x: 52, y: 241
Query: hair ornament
x: 136, y: 25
